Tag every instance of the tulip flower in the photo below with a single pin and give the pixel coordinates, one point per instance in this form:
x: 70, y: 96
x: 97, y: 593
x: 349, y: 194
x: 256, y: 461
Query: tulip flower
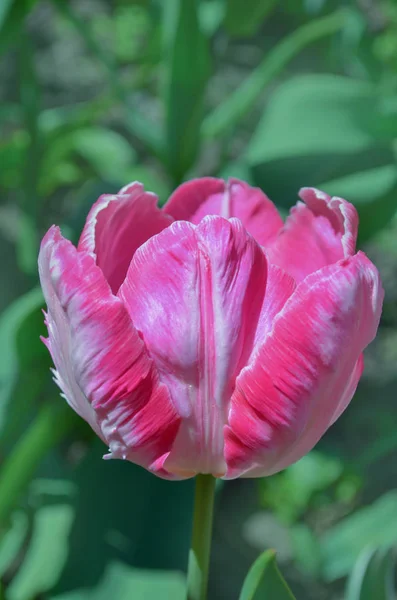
x: 209, y: 336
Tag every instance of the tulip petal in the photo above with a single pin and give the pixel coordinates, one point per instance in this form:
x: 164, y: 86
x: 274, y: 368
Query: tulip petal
x: 117, y: 225
x: 317, y: 233
x: 102, y: 365
x: 195, y: 293
x: 198, y: 198
x: 306, y: 371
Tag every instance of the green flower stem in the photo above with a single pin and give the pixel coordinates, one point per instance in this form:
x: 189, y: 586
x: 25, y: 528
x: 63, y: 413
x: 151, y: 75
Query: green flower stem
x: 52, y: 423
x: 199, y: 556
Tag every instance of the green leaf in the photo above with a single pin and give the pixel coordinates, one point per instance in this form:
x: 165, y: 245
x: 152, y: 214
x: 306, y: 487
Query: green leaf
x: 10, y: 112
x: 314, y: 113
x: 188, y: 70
x: 245, y: 17
x: 211, y: 13
x: 61, y: 164
x: 107, y: 155
x: 12, y: 155
x: 306, y: 550
x: 373, y: 576
x: 28, y: 243
x: 125, y: 525
x: 90, y: 191
x: 237, y: 169
x: 12, y: 16
x: 341, y: 546
x: 230, y: 112
x: 46, y: 554
x: 318, y: 130
x: 4, y: 10
x: 264, y: 580
x: 121, y: 582
x: 22, y: 366
x: 48, y: 428
x: 151, y: 179
x: 290, y: 493
x: 374, y: 193
x: 12, y: 541
x: 105, y: 150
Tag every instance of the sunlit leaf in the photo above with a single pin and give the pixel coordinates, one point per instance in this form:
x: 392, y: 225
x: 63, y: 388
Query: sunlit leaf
x: 315, y: 123
x: 46, y: 553
x: 290, y: 493
x: 12, y: 541
x: 122, y: 582
x: 318, y: 130
x: 108, y: 152
x: 264, y: 580
x: 341, y: 546
x: 211, y: 13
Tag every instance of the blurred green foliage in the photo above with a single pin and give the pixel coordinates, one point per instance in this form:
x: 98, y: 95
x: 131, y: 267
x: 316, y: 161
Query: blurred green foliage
x: 97, y: 93
x: 373, y: 575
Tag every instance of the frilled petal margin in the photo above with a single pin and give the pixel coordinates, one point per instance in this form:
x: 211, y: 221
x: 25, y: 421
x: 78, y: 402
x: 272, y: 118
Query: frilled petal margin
x: 196, y: 293
x: 101, y: 363
x: 317, y: 233
x: 117, y: 225
x: 233, y: 198
x: 306, y: 371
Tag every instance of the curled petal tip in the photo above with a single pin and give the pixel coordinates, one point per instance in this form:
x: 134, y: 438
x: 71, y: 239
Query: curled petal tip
x: 306, y: 192
x: 119, y: 224
x: 319, y: 231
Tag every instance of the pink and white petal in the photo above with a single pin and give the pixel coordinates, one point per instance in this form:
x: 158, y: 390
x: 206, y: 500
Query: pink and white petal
x: 58, y: 342
x: 340, y: 213
x: 350, y: 389
x: 194, y: 200
x: 306, y: 371
x: 195, y: 294
x: 102, y: 364
x: 279, y: 287
x: 305, y: 442
x: 317, y: 233
x: 117, y: 225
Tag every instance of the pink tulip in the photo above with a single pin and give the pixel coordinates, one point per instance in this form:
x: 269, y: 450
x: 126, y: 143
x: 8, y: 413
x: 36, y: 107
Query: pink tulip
x: 209, y: 336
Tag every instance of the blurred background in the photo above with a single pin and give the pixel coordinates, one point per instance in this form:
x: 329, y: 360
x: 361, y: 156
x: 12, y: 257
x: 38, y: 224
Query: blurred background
x: 97, y: 93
